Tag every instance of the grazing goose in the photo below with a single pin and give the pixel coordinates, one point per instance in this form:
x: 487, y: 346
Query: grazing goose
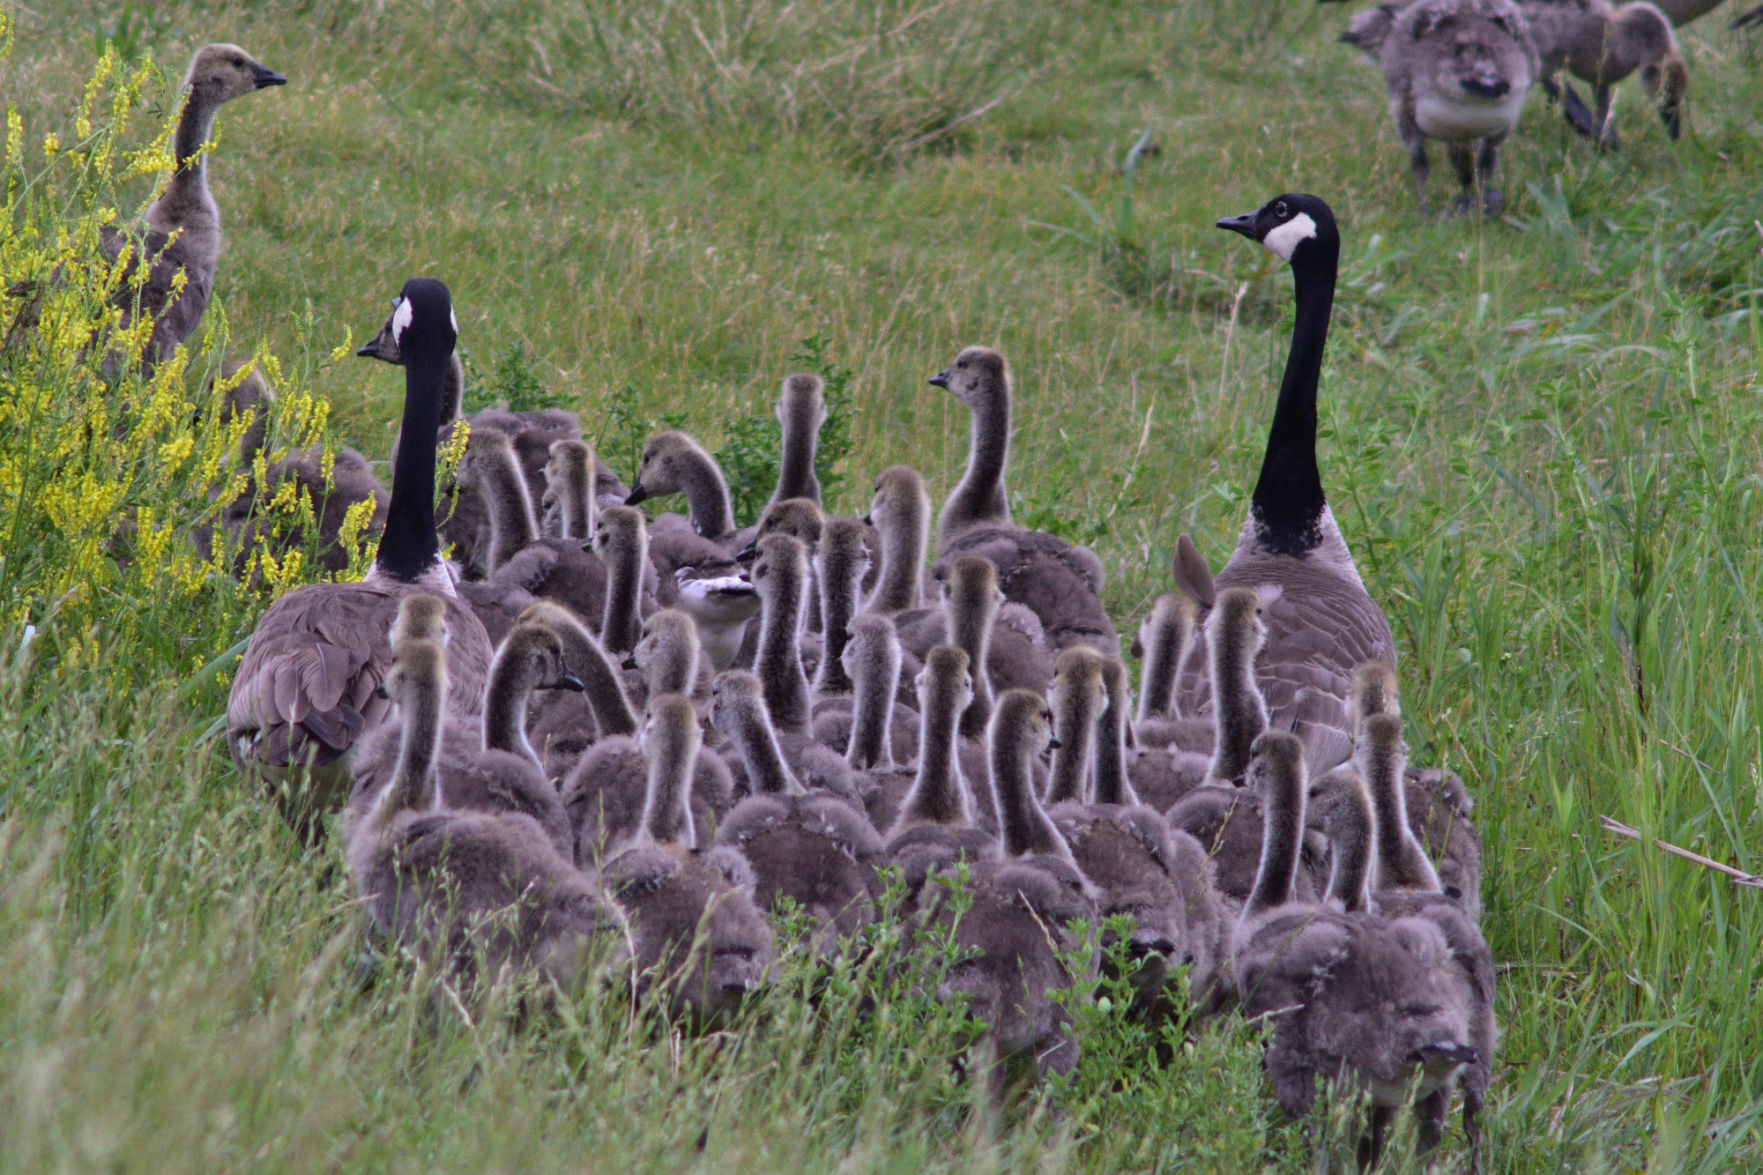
x: 900, y: 513
x: 698, y: 941
x: 1434, y: 806
x: 307, y: 686
x: 1354, y: 998
x: 673, y: 463
x: 180, y: 238
x: 1354, y: 822
x: 1601, y: 43
x: 1458, y: 71
x: 461, y: 888
x: 1057, y: 581
x: 816, y: 849
x: 1320, y: 621
x: 801, y: 410
x: 1016, y: 932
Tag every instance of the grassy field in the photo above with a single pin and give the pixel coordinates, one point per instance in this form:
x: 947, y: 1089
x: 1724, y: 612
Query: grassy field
x: 1540, y: 435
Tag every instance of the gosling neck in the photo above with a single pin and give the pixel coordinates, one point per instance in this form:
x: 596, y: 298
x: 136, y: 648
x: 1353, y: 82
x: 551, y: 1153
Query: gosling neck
x: 707, y: 499
x: 841, y: 590
x: 801, y: 439
x: 1349, y: 836
x: 937, y: 796
x: 979, y: 498
x: 1239, y: 714
x: 512, y: 678
x: 672, y: 760
x: 1282, y: 823
x: 512, y: 528
x: 872, y: 711
x: 1074, y: 725
x: 1113, y: 783
x: 767, y: 772
x: 778, y: 664
x: 1172, y: 631
x: 1022, y: 822
x: 186, y: 202
x: 601, y: 684
x: 414, y: 785
x: 575, y: 503
x: 625, y: 557
x: 904, y: 540
x: 970, y: 630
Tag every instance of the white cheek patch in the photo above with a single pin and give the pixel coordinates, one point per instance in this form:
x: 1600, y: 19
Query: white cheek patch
x: 1285, y: 239
x: 401, y: 318
x: 455, y: 319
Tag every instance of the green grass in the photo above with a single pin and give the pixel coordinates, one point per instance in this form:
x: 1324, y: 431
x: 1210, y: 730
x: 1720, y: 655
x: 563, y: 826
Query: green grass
x: 1540, y: 436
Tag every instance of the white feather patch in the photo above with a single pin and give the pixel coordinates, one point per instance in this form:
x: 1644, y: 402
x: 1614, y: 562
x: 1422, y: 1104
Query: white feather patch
x: 1284, y: 240
x: 401, y: 318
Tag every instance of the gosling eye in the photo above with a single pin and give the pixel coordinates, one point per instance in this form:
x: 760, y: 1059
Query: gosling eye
x: 238, y: 63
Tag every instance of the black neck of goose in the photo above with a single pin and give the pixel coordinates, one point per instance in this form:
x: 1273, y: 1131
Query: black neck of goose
x: 795, y: 473
x: 409, y: 546
x: 1288, y: 500
x: 778, y: 664
x: 505, y: 700
x: 937, y: 795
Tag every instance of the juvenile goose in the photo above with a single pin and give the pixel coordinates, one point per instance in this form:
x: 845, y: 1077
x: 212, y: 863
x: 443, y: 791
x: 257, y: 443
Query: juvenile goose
x: 333, y: 485
x: 1004, y: 639
x: 781, y: 577
x: 801, y: 410
x: 307, y: 686
x: 1235, y: 634
x: 460, y: 887
x: 569, y: 504
x: 1017, y: 926
x: 1078, y: 696
x: 1350, y: 817
x: 900, y: 513
x: 803, y: 520
x: 564, y: 724
x: 880, y: 761
x: 816, y: 849
x: 1354, y: 998
x: 695, y: 931
x: 667, y: 655
x: 673, y: 463
x: 1057, y: 581
x: 622, y: 542
x: 1601, y: 43
x: 1165, y: 638
x: 1428, y: 809
x: 1458, y: 71
x: 1154, y: 776
x: 840, y: 562
x: 181, y: 231
x: 938, y: 797
x: 1320, y: 621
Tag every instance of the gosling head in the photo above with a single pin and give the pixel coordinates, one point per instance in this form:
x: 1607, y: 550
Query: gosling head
x: 485, y: 449
x: 1373, y: 692
x: 1276, y: 769
x: 541, y: 652
x: 804, y: 395
x: 945, y: 684
x: 899, y: 494
x: 1294, y: 227
x: 665, y: 466
x: 783, y: 559
x: 736, y: 698
x: 800, y: 518
x: 977, y: 377
x: 569, y: 463
x: 618, y: 529
x: 421, y: 617
x: 1236, y: 624
x: 219, y: 73
x: 971, y: 586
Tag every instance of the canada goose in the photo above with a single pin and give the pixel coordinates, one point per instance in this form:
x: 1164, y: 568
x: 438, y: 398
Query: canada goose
x: 1057, y: 581
x: 489, y: 769
x: 622, y: 542
x: 1235, y: 634
x: 1601, y: 43
x: 840, y: 562
x: 673, y: 463
x: 900, y: 513
x: 1165, y: 638
x: 1320, y: 621
x: 1155, y: 775
x: 817, y: 766
x: 870, y: 728
x: 1353, y: 820
x: 454, y: 886
x: 306, y: 687
x: 781, y: 577
x: 816, y: 849
x: 1433, y: 805
x: 1353, y: 997
x: 675, y: 890
x: 569, y: 503
x: 802, y: 519
x: 801, y: 410
x: 1456, y: 70
x: 1078, y: 696
x: 668, y: 653
x: 1017, y: 926
x: 566, y: 723
x: 181, y: 231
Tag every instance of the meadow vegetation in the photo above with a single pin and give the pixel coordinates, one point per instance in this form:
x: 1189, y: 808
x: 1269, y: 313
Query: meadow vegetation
x: 1540, y: 435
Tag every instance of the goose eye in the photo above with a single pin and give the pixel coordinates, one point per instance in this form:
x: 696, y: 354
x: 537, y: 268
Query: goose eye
x: 1280, y: 210
x: 238, y: 63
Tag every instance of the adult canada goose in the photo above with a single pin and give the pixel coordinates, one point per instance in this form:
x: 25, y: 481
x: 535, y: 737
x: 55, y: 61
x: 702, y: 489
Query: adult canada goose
x: 840, y: 562
x: 1320, y: 622
x: 1458, y: 71
x: 180, y: 239
x: 1353, y: 820
x: 817, y: 850
x: 1017, y: 927
x: 1602, y: 43
x: 307, y: 686
x: 489, y: 769
x: 900, y: 513
x: 695, y: 932
x: 801, y: 410
x: 781, y: 577
x: 870, y: 728
x: 673, y: 463
x: 1354, y: 998
x: 1057, y: 581
x: 462, y: 887
x: 1432, y: 805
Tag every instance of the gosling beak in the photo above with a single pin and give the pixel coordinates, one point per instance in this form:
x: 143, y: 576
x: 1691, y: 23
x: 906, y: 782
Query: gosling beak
x: 1244, y: 224
x: 265, y: 77
x: 747, y: 553
x: 1053, y: 742
x: 940, y: 379
x: 1443, y: 1053
x: 637, y: 494
x: 629, y: 662
x: 568, y: 681
x: 379, y: 691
